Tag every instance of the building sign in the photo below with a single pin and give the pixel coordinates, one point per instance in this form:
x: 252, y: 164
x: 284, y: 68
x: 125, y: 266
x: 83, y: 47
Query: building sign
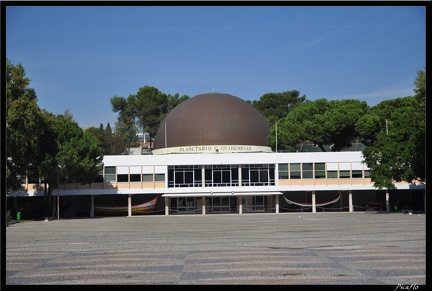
x: 212, y: 149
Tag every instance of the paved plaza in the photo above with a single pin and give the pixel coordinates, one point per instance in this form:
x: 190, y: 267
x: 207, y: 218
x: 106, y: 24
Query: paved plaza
x: 368, y: 248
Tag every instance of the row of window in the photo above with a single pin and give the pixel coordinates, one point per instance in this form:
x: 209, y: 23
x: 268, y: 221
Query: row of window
x: 319, y: 171
x: 221, y: 175
x: 217, y: 204
x: 111, y: 176
x: 229, y: 175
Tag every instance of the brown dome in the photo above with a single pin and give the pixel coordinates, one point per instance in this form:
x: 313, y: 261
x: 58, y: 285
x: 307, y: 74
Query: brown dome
x: 212, y: 119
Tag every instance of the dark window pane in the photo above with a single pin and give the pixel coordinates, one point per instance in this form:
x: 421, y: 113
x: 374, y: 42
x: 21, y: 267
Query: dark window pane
x: 179, y: 177
x: 122, y: 177
x: 345, y: 174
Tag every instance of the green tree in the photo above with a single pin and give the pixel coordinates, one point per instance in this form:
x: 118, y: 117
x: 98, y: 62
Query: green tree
x: 275, y: 106
x: 38, y: 142
x: 321, y: 122
x: 145, y: 111
x: 419, y: 160
x: 110, y: 142
x: 69, y: 154
x: 420, y: 89
x: 24, y: 122
x: 115, y: 143
x: 173, y: 101
x: 126, y: 125
x: 79, y: 154
x: 397, y: 147
x: 152, y: 106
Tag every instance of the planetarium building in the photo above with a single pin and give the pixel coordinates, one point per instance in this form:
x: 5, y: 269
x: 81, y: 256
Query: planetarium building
x: 210, y: 155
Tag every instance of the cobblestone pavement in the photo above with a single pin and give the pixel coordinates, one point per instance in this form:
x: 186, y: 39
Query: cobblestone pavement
x: 249, y: 249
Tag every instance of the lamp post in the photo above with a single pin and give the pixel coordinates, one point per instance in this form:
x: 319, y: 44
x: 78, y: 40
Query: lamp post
x: 58, y: 195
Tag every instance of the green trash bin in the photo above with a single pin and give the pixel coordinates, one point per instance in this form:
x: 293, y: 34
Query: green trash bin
x: 19, y: 216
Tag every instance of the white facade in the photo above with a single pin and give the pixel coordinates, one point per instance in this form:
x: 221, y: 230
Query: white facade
x: 238, y: 177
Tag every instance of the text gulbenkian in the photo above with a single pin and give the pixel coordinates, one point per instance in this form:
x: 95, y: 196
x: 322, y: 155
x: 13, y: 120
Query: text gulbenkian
x: 214, y: 148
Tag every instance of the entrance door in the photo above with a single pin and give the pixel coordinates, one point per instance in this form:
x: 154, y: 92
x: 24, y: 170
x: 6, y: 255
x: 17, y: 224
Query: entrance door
x: 223, y: 204
x: 184, y: 204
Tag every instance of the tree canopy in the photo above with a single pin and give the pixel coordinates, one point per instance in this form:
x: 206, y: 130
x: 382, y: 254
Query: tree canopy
x: 275, y: 106
x: 110, y: 142
x: 41, y: 145
x: 144, y: 110
x: 321, y: 122
x: 396, y: 150
x: 24, y: 122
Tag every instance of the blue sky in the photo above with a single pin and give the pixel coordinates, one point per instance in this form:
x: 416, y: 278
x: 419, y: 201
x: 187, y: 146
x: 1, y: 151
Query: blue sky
x: 79, y: 57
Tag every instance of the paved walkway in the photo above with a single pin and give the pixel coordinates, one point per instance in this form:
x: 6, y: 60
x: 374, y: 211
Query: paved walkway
x: 286, y: 248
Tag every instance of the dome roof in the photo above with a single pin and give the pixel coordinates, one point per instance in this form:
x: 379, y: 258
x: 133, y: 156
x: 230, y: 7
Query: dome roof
x: 212, y: 119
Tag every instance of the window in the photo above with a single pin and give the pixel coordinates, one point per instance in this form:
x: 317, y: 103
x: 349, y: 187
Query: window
x: 345, y: 174
x: 135, y: 178
x: 319, y: 170
x: 283, y: 171
x: 257, y: 175
x: 208, y: 175
x: 332, y: 174
x: 272, y: 174
x: 110, y: 174
x: 197, y: 177
x: 147, y: 177
x: 295, y: 171
x: 178, y: 178
x: 234, y: 176
x: 221, y: 175
x: 357, y: 173
x: 332, y: 170
x: 160, y: 177
x: 307, y: 170
x: 188, y: 177
x: 122, y: 178
x: 217, y: 177
x: 245, y: 175
x: 254, y: 176
x: 344, y: 170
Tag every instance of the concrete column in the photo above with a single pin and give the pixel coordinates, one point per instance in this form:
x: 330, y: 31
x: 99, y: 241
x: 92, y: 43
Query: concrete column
x: 203, y: 205
x: 91, y: 205
x: 313, y: 202
x: 277, y: 203
x: 387, y: 201
x: 240, y: 198
x: 58, y: 207
x: 351, y: 207
x: 129, y: 205
x: 167, y: 200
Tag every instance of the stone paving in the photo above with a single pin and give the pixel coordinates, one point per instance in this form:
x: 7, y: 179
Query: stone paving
x: 368, y: 248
